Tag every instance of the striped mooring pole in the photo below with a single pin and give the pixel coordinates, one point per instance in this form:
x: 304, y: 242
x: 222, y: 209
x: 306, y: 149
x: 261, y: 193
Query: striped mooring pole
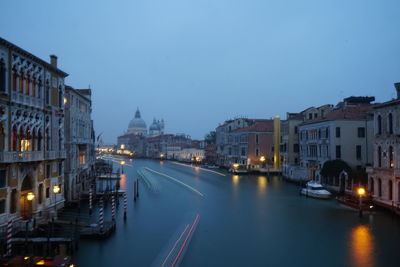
x: 101, y: 216
x: 125, y: 203
x: 90, y: 201
x: 9, y: 236
x: 113, y: 207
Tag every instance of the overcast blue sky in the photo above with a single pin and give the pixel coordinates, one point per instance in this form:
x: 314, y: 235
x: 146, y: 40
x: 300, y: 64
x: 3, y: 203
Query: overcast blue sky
x: 196, y: 63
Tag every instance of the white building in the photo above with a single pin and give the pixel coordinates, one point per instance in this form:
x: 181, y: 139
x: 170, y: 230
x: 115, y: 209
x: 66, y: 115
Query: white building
x: 79, y: 142
x: 31, y: 134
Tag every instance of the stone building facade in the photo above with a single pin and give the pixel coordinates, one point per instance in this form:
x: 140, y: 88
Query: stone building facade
x: 32, y: 139
x: 384, y: 176
x: 79, y: 143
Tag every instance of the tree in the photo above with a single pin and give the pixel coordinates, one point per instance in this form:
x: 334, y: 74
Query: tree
x: 210, y: 138
x: 333, y: 168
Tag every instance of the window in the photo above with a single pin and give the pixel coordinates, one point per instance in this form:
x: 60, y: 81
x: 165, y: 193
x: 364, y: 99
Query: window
x: 2, y: 206
x: 358, y: 152
x: 3, y: 178
x: 256, y: 138
x: 379, y: 119
x: 379, y: 156
x: 257, y: 152
x: 14, y: 201
x: 296, y: 129
x: 59, y: 168
x: 296, y: 148
x: 243, y: 151
x: 379, y: 187
x: 390, y: 123
x: 48, y: 171
x: 327, y: 132
x: 2, y: 76
x: 338, y: 152
x: 310, y: 116
x: 337, y: 131
x: 47, y: 192
x: 47, y: 93
x: 361, y: 132
x: 390, y: 189
x: 40, y: 193
x: 391, y: 154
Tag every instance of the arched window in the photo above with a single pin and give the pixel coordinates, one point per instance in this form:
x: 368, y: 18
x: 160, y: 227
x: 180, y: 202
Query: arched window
x: 379, y: 157
x: 379, y: 124
x: 21, y: 82
x: 34, y: 140
x: 379, y: 187
x: 27, y: 84
x: 390, y: 193
x: 39, y: 88
x: 372, y: 185
x: 14, y: 81
x: 2, y: 137
x: 21, y: 137
x: 60, y: 96
x: 391, y: 155
x: 34, y: 86
x: 390, y: 118
x: 2, y: 76
x: 39, y: 140
x: 47, y: 139
x: 60, y: 140
x: 47, y: 93
x: 13, y: 201
x: 14, y: 139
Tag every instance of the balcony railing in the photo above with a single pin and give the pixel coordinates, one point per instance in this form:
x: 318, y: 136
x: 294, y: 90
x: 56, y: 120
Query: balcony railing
x: 16, y: 156
x: 26, y: 100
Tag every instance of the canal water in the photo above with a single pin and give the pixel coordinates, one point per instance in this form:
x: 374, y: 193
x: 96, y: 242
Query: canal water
x: 250, y: 220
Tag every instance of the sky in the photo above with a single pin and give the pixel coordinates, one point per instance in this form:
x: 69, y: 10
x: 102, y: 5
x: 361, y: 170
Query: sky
x: 196, y: 63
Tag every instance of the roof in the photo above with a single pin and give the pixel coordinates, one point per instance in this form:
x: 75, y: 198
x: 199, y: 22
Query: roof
x: 388, y: 103
x: 31, y: 56
x: 346, y: 113
x: 258, y: 126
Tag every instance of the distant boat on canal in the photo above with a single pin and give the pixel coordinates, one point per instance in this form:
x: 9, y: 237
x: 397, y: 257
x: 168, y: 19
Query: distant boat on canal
x: 316, y: 190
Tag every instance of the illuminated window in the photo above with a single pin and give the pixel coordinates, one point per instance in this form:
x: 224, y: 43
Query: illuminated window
x: 82, y: 159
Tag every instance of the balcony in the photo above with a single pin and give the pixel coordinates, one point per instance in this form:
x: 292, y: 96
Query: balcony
x: 26, y: 100
x: 55, y: 154
x: 16, y: 156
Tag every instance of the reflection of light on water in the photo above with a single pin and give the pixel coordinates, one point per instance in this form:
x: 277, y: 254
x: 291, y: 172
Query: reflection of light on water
x: 261, y: 184
x: 122, y: 182
x: 161, y: 162
x: 197, y: 169
x: 235, y: 179
x: 362, y: 247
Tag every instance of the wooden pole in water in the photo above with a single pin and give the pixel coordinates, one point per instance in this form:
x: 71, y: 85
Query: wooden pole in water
x: 125, y: 203
x: 101, y: 216
x: 9, y: 236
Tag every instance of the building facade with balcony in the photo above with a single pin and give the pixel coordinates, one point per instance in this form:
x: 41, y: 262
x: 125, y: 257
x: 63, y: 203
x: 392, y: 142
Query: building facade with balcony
x: 384, y: 176
x: 79, y: 142
x: 31, y: 134
x: 341, y: 133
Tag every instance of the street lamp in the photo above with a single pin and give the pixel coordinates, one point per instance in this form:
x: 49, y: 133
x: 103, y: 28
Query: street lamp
x: 56, y: 191
x: 262, y: 159
x: 30, y: 196
x: 122, y: 163
x: 360, y: 192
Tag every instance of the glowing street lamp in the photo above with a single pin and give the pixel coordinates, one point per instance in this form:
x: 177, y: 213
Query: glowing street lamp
x: 122, y: 163
x: 361, y: 193
x: 56, y: 191
x: 30, y: 196
x: 262, y: 159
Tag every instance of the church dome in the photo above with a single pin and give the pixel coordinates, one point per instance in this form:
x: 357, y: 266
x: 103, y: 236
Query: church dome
x: 154, y: 126
x: 137, y: 124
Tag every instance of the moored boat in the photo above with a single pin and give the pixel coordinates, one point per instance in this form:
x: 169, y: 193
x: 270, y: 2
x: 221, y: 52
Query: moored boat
x: 316, y: 190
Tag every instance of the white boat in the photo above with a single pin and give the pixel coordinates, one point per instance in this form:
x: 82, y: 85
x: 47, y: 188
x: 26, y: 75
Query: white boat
x: 314, y: 189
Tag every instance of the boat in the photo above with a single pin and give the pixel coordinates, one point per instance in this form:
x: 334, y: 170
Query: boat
x: 353, y: 203
x: 316, y: 190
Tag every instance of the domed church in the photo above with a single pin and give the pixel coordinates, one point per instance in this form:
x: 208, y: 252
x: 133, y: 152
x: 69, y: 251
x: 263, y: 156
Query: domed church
x: 137, y: 125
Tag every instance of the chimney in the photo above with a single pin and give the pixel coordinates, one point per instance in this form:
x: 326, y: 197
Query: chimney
x: 397, y: 86
x: 53, y: 60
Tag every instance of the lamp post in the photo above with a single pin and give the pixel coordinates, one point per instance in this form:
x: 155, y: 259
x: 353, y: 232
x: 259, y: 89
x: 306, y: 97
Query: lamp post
x: 30, y: 196
x: 235, y: 167
x: 56, y: 191
x: 262, y: 160
x: 122, y: 163
x: 360, y: 192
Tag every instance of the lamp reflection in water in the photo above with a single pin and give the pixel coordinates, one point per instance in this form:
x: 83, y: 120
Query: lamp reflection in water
x: 362, y: 247
x: 235, y: 185
x: 123, y: 181
x: 261, y: 185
